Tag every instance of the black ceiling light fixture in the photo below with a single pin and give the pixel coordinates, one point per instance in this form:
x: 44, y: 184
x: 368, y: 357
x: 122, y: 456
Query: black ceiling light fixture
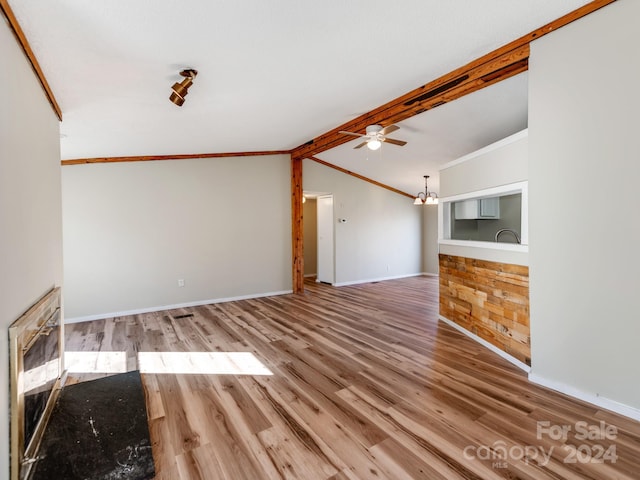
x: 180, y: 89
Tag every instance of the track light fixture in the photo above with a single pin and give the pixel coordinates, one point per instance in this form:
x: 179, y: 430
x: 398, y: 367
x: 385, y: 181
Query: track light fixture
x: 180, y: 89
x: 426, y: 197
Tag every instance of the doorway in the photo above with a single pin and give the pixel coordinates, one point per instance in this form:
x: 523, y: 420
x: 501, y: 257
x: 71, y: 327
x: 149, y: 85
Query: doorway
x: 326, y: 263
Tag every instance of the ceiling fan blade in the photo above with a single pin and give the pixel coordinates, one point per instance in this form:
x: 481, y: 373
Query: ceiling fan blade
x: 351, y: 133
x: 388, y: 129
x: 394, y: 142
x: 361, y: 145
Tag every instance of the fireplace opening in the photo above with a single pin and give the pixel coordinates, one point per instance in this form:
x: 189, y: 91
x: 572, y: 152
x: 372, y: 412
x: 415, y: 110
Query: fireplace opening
x: 36, y: 352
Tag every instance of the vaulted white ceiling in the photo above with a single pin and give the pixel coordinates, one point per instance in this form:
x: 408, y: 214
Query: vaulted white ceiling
x: 274, y: 74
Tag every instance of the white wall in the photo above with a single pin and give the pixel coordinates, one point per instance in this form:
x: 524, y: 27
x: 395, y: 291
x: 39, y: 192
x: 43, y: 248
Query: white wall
x: 131, y: 230
x: 382, y: 235
x: 430, y: 262
x: 30, y: 212
x: 584, y: 257
x: 501, y: 163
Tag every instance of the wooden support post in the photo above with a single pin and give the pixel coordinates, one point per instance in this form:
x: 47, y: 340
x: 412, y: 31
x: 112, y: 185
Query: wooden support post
x: 296, y: 225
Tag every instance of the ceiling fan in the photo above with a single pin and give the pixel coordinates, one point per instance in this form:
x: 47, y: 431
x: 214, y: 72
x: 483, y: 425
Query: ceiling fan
x: 376, y: 135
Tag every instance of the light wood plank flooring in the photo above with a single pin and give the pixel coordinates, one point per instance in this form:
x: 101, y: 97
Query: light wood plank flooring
x: 365, y: 384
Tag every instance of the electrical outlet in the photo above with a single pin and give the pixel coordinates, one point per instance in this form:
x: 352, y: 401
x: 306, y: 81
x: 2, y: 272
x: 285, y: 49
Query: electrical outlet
x: 181, y: 282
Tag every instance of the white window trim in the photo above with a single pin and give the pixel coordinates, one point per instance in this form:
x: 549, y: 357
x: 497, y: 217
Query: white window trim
x: 444, y: 217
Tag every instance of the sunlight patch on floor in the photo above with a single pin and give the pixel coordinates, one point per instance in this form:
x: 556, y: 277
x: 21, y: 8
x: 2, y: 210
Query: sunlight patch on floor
x: 199, y: 363
x: 196, y: 363
x: 95, y: 362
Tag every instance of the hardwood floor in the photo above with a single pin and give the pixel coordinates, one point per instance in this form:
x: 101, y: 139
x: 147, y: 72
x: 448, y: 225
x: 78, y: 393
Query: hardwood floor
x: 365, y: 384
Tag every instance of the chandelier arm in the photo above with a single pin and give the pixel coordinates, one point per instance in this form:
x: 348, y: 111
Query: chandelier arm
x: 426, y: 197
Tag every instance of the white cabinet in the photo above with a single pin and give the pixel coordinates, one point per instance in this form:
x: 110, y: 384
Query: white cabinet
x: 490, y: 207
x: 466, y: 210
x: 483, y: 208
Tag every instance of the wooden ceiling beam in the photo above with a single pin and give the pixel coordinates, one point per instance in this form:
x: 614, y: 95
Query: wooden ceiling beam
x: 361, y: 177
x: 22, y: 40
x: 491, y: 68
x: 447, y: 88
x: 423, y: 99
x: 187, y: 156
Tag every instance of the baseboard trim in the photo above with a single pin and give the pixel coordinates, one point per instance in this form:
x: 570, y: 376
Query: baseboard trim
x: 100, y: 316
x: 484, y: 343
x: 594, y: 399
x: 560, y: 387
x: 380, y: 279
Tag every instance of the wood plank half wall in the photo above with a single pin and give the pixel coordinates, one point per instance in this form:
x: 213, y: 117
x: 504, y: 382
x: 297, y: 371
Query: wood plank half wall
x: 490, y: 300
x: 22, y: 40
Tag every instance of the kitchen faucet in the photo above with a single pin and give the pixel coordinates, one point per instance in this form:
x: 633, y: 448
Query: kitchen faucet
x: 503, y: 230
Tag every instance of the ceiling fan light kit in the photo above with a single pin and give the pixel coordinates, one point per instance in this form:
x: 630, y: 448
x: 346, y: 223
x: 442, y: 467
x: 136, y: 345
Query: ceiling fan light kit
x: 375, y: 135
x: 426, y: 197
x: 180, y: 89
x: 374, y: 144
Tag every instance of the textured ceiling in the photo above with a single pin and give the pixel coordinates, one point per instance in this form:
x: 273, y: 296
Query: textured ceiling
x: 274, y: 74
